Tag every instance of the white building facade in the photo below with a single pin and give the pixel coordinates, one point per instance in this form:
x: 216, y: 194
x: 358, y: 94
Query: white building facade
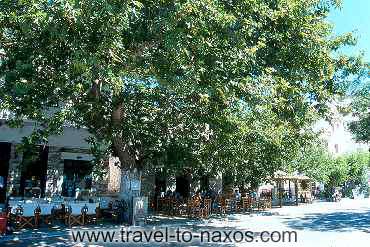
x: 337, y: 135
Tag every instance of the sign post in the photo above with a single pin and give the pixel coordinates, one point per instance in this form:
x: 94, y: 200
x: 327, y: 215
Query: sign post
x: 140, y: 210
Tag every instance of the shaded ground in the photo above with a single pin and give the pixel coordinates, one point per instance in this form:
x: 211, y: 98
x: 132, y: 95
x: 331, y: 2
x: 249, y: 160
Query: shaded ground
x: 338, y: 221
x: 326, y: 224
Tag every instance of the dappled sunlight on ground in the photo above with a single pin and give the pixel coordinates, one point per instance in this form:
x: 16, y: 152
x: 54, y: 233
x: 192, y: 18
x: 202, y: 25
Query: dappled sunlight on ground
x: 319, y: 224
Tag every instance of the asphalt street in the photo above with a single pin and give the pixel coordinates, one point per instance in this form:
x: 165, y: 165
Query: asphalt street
x: 327, y: 224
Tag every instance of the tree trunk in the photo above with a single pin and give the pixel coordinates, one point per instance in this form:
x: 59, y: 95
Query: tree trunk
x: 130, y: 174
x: 130, y: 177
x: 130, y: 188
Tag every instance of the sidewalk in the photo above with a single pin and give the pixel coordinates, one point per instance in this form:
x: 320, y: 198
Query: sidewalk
x: 157, y: 221
x: 62, y: 231
x: 319, y: 224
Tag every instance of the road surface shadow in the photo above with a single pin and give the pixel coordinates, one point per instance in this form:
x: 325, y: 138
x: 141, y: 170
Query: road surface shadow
x: 337, y: 221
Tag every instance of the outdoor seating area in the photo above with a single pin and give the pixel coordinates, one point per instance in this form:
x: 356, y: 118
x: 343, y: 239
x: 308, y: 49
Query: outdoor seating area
x: 199, y: 206
x: 92, y: 208
x: 40, y: 212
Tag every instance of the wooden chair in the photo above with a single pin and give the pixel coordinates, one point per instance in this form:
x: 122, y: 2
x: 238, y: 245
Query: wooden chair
x: 90, y: 213
x: 222, y: 206
x: 74, y: 214
x: 229, y: 205
x: 263, y: 204
x: 189, y: 206
x: 238, y: 205
x: 175, y: 206
x: 246, y: 204
x: 117, y: 209
x: 182, y: 208
x: 27, y: 215
x: 255, y: 204
x: 59, y: 212
x: 207, y: 208
x: 195, y: 210
x: 167, y: 205
x: 269, y: 203
x: 46, y: 213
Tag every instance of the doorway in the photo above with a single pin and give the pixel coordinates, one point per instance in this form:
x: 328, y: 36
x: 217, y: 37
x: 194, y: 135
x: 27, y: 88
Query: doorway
x: 5, y: 149
x: 34, y: 172
x: 77, y: 175
x: 183, y: 186
x: 160, y: 185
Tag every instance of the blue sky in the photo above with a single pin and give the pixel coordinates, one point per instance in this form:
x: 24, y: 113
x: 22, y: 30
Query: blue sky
x: 354, y: 16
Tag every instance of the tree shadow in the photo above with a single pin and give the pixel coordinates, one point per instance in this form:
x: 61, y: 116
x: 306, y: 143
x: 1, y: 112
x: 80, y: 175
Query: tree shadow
x: 59, y: 241
x: 344, y: 221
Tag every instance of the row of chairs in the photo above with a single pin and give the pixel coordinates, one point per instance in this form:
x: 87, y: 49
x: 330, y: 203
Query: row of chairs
x: 203, y: 208
x: 79, y: 214
x: 34, y: 215
x: 191, y: 208
x: 199, y: 209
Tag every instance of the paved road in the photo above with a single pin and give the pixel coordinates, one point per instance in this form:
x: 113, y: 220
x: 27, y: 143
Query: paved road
x: 326, y: 224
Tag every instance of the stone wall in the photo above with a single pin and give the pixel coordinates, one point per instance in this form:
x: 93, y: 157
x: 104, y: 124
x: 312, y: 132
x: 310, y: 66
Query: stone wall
x: 55, y: 170
x: 15, y: 170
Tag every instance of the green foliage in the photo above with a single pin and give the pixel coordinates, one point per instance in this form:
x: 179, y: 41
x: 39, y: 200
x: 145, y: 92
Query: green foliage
x: 360, y: 127
x: 357, y: 176
x: 315, y: 161
x: 358, y: 164
x: 221, y: 86
x: 347, y: 170
x: 338, y: 172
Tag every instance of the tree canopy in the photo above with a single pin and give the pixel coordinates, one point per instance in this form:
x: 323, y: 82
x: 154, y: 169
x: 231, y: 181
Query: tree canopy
x: 360, y: 126
x: 348, y: 171
x: 232, y: 85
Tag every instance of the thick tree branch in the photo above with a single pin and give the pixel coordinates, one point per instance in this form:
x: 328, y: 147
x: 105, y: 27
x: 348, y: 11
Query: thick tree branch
x: 121, y: 148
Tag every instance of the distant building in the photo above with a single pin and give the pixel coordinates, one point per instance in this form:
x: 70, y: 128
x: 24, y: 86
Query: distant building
x: 335, y: 132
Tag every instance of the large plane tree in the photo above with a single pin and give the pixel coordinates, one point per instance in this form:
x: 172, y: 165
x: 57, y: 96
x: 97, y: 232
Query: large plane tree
x: 232, y: 84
